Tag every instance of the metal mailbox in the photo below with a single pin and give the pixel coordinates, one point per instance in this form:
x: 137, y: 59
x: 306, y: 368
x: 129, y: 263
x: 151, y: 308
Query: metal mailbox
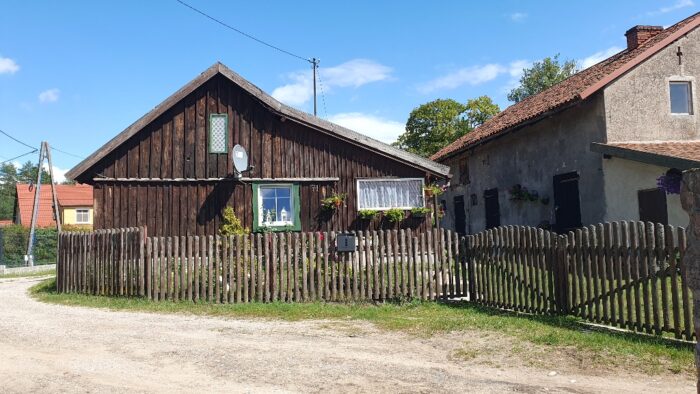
x: 346, y: 242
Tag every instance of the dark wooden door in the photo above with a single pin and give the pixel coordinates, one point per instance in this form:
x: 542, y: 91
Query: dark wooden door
x: 652, y: 206
x: 460, y: 215
x: 493, y: 210
x: 567, y: 206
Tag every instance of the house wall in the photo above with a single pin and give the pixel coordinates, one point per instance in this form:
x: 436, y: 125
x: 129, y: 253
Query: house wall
x: 623, y: 179
x: 68, y: 215
x: 531, y: 157
x: 638, y: 104
x: 175, y: 146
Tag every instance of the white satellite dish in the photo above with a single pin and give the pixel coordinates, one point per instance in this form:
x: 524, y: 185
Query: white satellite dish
x: 240, y: 160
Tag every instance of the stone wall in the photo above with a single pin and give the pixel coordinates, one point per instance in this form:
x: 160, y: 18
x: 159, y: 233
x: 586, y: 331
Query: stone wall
x: 690, y: 200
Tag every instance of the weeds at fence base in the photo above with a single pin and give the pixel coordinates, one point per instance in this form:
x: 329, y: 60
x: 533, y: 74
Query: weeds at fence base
x: 540, y: 336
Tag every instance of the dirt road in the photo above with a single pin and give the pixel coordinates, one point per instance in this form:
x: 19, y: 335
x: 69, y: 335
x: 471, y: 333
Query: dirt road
x: 49, y: 348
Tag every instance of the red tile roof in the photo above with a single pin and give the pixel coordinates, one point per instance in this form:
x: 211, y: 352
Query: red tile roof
x: 67, y: 195
x: 688, y: 150
x: 5, y: 222
x: 570, y: 91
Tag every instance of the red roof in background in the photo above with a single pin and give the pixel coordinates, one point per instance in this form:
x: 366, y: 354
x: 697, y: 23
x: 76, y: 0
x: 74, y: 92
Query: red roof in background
x: 5, y: 222
x: 67, y: 195
x: 573, y: 89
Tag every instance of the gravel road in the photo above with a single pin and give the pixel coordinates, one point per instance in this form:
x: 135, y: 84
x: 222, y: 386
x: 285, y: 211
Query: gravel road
x: 50, y: 348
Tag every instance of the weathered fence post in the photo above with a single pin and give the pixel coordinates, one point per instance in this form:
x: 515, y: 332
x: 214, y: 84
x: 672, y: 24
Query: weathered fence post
x: 561, y: 277
x: 690, y: 200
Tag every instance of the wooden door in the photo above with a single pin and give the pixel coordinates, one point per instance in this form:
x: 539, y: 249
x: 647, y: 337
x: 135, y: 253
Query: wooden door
x: 652, y: 206
x: 493, y: 209
x: 567, y: 206
x: 460, y: 215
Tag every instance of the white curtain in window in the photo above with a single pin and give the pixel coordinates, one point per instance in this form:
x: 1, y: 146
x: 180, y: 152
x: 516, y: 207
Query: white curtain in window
x: 390, y: 193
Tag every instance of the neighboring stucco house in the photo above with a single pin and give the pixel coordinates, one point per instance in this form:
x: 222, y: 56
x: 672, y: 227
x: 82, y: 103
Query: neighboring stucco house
x: 75, y: 205
x: 589, y: 149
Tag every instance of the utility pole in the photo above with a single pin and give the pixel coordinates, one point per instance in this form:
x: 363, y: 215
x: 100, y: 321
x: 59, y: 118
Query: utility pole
x: 44, y: 152
x: 29, y: 258
x: 314, y: 66
x: 56, y: 213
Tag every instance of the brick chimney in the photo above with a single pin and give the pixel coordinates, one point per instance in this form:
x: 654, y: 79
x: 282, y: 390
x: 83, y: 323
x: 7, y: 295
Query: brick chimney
x: 639, y: 34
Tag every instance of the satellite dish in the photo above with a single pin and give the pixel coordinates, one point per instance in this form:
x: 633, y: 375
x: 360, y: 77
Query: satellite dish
x: 240, y: 159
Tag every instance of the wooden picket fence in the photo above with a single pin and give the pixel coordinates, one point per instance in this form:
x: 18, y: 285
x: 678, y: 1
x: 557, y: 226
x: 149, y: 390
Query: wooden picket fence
x: 625, y: 274
x: 104, y: 262
x: 262, y: 267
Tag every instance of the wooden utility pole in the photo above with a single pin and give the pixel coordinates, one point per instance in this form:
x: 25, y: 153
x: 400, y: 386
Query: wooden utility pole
x: 43, y: 152
x: 53, y: 187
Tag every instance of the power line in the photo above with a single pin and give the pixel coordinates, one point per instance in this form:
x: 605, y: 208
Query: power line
x: 17, y: 157
x: 66, y: 153
x: 18, y: 141
x: 323, y: 95
x: 242, y: 32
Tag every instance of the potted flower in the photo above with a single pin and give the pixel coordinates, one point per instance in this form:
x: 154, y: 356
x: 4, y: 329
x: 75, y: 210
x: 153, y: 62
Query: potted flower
x: 420, y: 212
x: 367, y: 214
x: 394, y: 215
x: 333, y: 202
x: 433, y: 190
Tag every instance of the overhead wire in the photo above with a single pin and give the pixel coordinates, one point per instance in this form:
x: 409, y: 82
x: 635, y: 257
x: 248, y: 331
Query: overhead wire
x: 16, y: 140
x: 243, y: 33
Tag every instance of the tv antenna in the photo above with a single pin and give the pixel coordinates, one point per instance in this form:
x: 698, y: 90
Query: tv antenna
x: 240, y: 161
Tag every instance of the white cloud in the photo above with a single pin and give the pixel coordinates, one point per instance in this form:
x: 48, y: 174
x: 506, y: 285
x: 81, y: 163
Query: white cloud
x: 599, y: 56
x: 384, y: 130
x: 517, y: 16
x: 49, y: 96
x: 8, y: 66
x: 473, y: 75
x: 59, y: 174
x: 351, y: 74
x: 673, y: 7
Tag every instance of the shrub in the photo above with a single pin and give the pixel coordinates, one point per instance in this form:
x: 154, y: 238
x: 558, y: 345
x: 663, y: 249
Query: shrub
x: 394, y: 215
x: 14, y: 245
x: 367, y: 214
x: 231, y: 225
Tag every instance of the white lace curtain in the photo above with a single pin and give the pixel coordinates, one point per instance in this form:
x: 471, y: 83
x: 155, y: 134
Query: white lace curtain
x: 390, y: 193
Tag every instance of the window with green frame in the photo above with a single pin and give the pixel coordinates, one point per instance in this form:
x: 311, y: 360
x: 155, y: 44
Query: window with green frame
x: 218, y: 133
x: 276, y: 207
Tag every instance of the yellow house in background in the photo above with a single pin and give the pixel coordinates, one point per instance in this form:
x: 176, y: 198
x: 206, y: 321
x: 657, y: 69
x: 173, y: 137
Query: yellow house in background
x: 75, y: 205
x: 79, y: 216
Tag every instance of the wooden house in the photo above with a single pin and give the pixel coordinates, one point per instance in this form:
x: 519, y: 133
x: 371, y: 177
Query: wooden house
x: 172, y: 170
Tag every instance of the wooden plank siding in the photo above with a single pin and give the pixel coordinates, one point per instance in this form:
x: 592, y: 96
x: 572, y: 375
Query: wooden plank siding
x: 174, y: 145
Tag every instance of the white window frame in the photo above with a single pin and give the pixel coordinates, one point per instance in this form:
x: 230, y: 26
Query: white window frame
x: 357, y: 192
x: 86, y: 211
x: 276, y: 223
x: 681, y: 79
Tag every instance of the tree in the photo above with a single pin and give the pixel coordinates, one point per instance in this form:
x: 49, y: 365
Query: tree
x: 8, y: 179
x: 542, y: 75
x: 436, y: 124
x: 28, y: 172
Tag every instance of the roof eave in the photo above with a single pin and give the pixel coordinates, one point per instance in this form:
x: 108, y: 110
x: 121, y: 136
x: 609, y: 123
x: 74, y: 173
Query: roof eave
x: 644, y: 157
x: 274, y: 105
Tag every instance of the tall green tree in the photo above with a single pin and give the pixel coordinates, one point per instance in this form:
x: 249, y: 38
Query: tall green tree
x: 436, y: 124
x: 543, y: 74
x: 28, y: 172
x: 8, y: 179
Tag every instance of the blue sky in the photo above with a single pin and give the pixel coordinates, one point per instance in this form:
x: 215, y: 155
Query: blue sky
x: 76, y: 73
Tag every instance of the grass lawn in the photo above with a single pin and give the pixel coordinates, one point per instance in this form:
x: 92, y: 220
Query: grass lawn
x: 600, y: 349
x: 30, y: 274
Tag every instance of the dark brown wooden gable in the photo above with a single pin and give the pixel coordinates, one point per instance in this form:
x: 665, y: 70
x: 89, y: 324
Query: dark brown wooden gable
x: 174, y: 145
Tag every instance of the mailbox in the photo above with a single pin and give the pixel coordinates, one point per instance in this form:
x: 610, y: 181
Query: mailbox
x: 346, y: 242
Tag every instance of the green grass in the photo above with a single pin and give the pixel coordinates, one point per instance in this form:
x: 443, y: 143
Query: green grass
x: 599, y: 348
x: 30, y: 274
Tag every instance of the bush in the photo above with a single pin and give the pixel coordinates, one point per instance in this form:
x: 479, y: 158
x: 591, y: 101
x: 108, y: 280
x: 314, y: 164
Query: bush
x: 394, y: 215
x: 367, y: 214
x: 15, y: 239
x: 231, y: 225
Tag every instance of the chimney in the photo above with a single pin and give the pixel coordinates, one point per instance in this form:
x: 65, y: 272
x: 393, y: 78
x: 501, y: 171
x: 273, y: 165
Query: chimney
x: 639, y: 34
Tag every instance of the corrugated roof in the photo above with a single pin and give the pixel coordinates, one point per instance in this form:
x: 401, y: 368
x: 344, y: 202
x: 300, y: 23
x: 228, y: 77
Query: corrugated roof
x: 67, y: 195
x: 574, y: 89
